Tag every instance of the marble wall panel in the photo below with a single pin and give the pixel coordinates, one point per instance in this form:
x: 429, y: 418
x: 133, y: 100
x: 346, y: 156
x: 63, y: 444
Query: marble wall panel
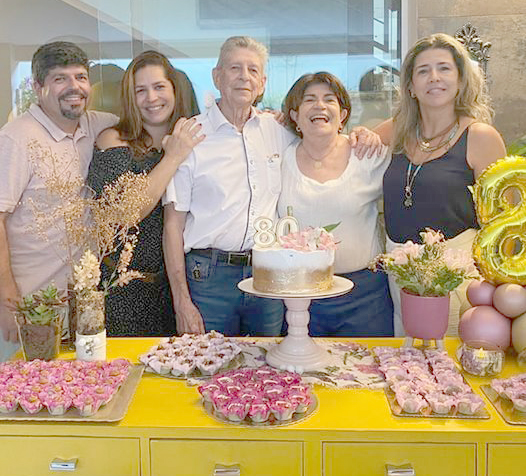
x: 473, y: 8
x: 506, y: 78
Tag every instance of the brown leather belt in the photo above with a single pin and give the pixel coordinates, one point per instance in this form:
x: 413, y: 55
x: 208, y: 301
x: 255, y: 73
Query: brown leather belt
x: 232, y: 258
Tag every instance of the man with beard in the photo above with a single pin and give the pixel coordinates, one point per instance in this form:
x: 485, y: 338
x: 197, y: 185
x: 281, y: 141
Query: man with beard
x: 57, y: 134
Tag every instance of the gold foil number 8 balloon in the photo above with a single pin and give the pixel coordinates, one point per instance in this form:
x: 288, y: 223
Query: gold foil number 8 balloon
x: 503, y: 224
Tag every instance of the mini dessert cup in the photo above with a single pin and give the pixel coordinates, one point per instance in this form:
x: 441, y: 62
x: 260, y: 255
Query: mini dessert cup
x: 259, y: 411
x: 479, y: 361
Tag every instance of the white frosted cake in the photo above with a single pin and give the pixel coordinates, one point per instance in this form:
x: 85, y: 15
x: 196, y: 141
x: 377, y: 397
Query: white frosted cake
x: 300, y: 262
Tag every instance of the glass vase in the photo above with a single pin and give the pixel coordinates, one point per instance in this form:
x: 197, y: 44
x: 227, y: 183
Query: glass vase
x: 41, y: 341
x: 90, y: 336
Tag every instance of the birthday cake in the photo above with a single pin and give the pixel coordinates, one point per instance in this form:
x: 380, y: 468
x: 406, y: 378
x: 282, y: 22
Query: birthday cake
x: 299, y: 262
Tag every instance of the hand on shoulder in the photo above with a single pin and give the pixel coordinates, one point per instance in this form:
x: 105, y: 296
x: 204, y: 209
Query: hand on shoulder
x: 485, y: 146
x: 109, y: 138
x: 385, y: 131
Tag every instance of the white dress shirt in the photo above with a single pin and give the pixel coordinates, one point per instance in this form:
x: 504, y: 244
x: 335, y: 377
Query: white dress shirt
x: 229, y: 180
x: 350, y: 199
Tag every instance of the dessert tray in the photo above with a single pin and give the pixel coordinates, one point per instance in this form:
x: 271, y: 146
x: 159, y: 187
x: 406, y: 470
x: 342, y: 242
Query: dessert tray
x: 193, y: 356
x: 248, y: 423
x: 427, y: 384
x: 112, y: 411
x: 258, y: 397
x: 508, y: 396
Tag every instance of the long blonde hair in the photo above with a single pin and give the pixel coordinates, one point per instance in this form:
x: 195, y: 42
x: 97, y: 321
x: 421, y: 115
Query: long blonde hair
x: 472, y: 99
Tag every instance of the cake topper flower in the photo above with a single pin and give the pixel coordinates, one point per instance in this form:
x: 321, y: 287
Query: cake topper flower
x: 427, y: 269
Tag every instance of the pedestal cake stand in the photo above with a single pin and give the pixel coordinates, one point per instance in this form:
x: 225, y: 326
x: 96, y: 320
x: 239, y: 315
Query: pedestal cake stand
x: 298, y: 351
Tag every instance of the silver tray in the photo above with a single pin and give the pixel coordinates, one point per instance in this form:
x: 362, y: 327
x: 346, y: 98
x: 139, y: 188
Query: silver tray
x: 271, y: 422
x: 113, y: 411
x: 396, y: 410
x: 504, y: 407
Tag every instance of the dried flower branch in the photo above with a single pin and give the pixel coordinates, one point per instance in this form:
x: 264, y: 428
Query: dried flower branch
x: 101, y: 226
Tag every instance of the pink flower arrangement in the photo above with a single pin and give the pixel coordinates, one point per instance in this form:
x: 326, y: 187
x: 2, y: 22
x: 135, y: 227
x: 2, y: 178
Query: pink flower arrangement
x: 310, y: 239
x: 427, y: 269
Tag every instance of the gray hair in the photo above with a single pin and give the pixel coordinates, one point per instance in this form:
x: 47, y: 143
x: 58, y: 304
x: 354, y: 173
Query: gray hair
x: 243, y: 42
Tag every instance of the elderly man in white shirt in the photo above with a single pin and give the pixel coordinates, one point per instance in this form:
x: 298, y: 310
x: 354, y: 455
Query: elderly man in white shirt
x: 228, y: 181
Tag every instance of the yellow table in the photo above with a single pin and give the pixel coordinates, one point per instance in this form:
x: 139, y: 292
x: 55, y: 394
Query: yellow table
x: 166, y: 432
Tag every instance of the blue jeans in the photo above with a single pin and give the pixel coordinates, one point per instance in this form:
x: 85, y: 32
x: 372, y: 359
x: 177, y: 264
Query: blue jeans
x: 224, y: 307
x: 366, y: 311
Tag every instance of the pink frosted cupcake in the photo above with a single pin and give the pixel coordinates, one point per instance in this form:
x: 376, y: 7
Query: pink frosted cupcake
x: 56, y: 403
x: 302, y: 402
x: 30, y: 403
x: 282, y: 409
x: 104, y: 393
x: 440, y: 403
x: 87, y: 404
x: 411, y: 403
x: 8, y: 402
x: 207, y: 390
x: 469, y: 404
x: 258, y: 411
x: 236, y: 410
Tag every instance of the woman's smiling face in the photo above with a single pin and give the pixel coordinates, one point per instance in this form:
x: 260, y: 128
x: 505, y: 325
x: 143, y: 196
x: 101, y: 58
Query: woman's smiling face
x: 435, y: 80
x: 319, y: 111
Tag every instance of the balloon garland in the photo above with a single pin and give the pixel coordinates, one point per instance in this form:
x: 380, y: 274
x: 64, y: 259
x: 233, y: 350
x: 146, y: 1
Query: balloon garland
x: 498, y: 315
x: 501, y: 221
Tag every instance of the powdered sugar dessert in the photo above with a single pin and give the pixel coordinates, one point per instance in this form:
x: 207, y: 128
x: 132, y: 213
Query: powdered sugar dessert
x: 191, y: 355
x: 299, y: 262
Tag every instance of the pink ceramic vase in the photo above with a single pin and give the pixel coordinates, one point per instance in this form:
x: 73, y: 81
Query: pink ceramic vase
x: 424, y: 317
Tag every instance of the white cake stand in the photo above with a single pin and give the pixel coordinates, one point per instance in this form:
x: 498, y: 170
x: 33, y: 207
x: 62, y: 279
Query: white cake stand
x: 298, y: 351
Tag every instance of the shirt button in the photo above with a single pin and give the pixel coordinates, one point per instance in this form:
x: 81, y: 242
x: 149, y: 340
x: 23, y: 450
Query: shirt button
x: 253, y: 187
x: 251, y: 162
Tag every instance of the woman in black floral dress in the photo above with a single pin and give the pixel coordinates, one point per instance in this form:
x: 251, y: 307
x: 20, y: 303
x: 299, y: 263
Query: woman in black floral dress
x: 152, y: 136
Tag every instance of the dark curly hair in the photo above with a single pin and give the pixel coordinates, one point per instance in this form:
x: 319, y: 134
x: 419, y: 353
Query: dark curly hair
x: 57, y: 53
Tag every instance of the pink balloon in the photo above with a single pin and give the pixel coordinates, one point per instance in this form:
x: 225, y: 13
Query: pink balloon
x: 480, y: 293
x: 484, y: 326
x: 510, y: 299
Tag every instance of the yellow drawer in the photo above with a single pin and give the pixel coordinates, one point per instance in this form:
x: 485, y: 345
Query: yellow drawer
x: 201, y: 457
x: 506, y: 459
x: 370, y: 459
x: 31, y: 456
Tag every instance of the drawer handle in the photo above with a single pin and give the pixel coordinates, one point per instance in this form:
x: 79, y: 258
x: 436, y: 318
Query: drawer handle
x: 222, y: 470
x: 402, y: 470
x: 63, y: 464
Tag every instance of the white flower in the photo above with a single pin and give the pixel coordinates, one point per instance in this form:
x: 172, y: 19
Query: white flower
x: 459, y: 260
x: 125, y: 278
x: 412, y: 250
x: 87, y: 273
x: 399, y: 256
x: 431, y: 237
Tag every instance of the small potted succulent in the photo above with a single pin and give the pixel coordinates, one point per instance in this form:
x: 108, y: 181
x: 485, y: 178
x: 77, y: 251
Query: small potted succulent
x: 39, y: 317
